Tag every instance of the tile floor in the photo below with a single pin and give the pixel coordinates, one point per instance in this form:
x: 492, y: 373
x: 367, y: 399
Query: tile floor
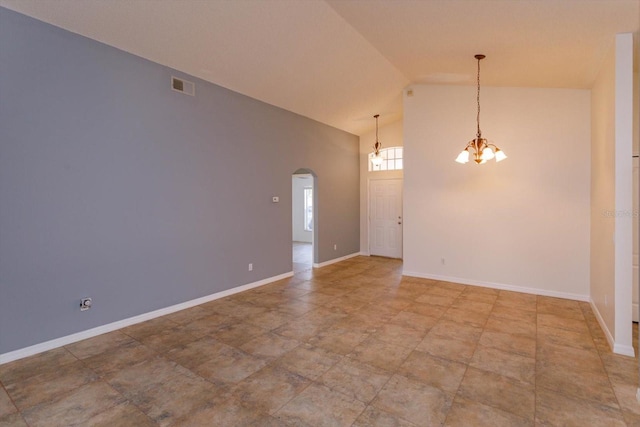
x: 351, y: 344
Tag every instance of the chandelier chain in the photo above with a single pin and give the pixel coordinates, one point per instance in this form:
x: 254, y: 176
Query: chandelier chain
x: 478, y: 133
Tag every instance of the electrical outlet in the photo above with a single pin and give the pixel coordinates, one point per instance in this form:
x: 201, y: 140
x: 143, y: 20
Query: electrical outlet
x: 442, y: 261
x: 335, y: 247
x: 250, y: 266
x: 85, y: 304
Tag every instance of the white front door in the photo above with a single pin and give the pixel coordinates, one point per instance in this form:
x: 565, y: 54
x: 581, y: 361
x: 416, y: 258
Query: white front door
x: 636, y: 205
x: 385, y: 217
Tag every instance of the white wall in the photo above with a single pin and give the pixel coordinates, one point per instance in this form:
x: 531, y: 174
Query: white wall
x: 299, y: 182
x: 603, y: 193
x: 390, y: 135
x: 611, y: 194
x: 520, y: 224
x: 624, y: 205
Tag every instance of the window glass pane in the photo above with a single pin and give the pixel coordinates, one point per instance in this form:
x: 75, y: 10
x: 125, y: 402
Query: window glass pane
x: 308, y: 209
x: 392, y: 159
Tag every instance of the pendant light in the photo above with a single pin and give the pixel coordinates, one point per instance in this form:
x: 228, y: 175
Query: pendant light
x: 481, y: 149
x: 376, y: 158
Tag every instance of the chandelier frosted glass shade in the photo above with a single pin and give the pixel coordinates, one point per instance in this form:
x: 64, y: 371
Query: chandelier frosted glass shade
x: 482, y: 151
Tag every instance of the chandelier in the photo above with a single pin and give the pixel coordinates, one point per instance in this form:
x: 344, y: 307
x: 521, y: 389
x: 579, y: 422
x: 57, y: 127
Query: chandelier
x: 481, y: 148
x: 376, y: 157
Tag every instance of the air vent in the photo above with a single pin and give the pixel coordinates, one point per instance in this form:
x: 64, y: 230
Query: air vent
x: 183, y: 86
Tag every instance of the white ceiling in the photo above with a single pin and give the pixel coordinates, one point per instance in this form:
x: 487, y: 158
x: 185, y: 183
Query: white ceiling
x: 342, y: 61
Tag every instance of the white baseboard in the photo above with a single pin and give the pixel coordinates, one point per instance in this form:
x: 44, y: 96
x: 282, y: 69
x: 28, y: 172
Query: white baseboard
x: 603, y: 325
x: 333, y: 261
x: 625, y: 350
x: 90, y: 333
x: 501, y: 286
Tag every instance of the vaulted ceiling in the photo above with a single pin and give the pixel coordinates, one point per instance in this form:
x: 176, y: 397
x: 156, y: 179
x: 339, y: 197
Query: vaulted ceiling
x: 342, y: 61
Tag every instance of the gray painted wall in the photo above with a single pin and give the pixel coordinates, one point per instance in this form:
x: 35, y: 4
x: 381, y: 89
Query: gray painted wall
x: 115, y: 187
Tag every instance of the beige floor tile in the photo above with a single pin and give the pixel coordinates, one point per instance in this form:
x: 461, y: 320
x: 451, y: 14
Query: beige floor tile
x: 270, y: 320
x: 631, y: 419
x: 188, y: 315
x: 436, y: 299
x: 42, y: 363
x: 177, y: 398
x: 355, y: 379
x: 564, y: 337
x: 150, y: 327
x: 48, y: 386
x: 319, y: 406
x: 466, y: 413
x: 465, y: 317
x: 270, y: 388
x: 301, y: 329
x: 338, y: 339
x: 227, y: 413
x: 308, y: 361
x: 509, y: 326
x: 335, y: 346
x: 510, y: 365
x: 556, y: 321
x: 414, y: 401
x: 399, y: 335
x: 238, y: 333
x: 380, y: 354
x: 510, y: 343
x: 99, y: 344
x: 111, y: 361
x: 626, y: 395
x: 197, y: 352
x: 229, y: 366
x: 168, y: 339
x: 448, y: 329
x: 513, y: 312
x: 317, y: 298
x: 374, y: 417
x: 146, y: 375
x: 424, y: 309
x: 556, y: 409
x: 344, y: 304
x: 621, y: 369
x: 412, y: 320
x: 13, y: 420
x: 75, y: 407
x: 122, y: 415
x: 269, y: 345
x: 576, y: 383
x: 447, y: 348
x: 441, y: 373
x: 443, y: 291
x: 209, y: 324
x: 571, y: 358
x: 6, y: 405
x: 506, y: 394
x: 469, y: 303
